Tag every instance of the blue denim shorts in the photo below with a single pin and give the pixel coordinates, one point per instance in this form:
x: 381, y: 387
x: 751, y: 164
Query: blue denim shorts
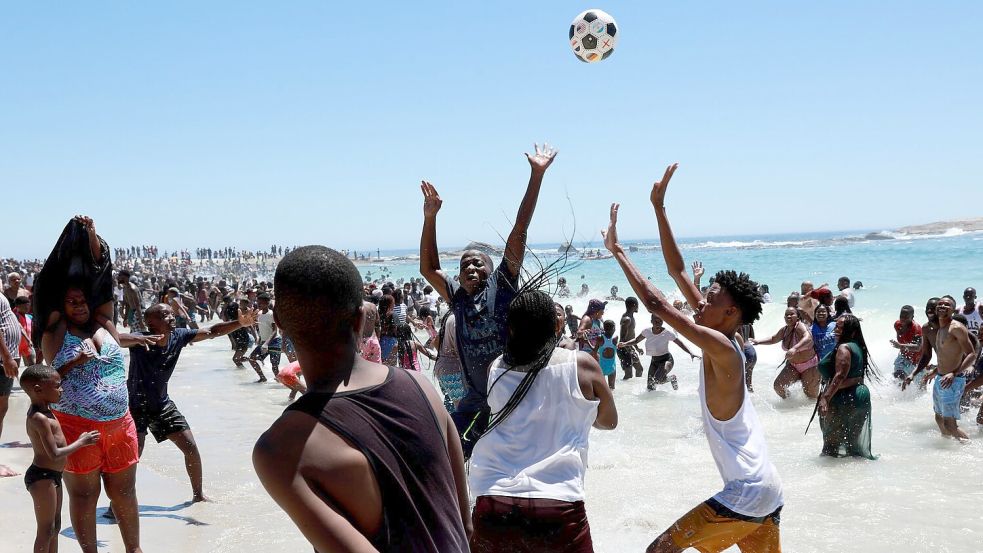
x: 946, y: 401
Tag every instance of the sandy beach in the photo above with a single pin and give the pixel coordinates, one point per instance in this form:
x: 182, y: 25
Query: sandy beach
x: 920, y: 496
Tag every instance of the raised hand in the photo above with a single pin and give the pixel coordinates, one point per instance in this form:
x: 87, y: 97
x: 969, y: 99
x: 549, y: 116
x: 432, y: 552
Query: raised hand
x: 431, y: 199
x: 248, y: 317
x: 611, y: 234
x: 146, y: 341
x: 542, y: 159
x: 658, y: 195
x: 698, y: 269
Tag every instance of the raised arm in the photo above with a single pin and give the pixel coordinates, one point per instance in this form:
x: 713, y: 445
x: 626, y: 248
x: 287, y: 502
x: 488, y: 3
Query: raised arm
x: 429, y: 260
x: 670, y: 251
x: 515, y: 247
x: 710, y: 341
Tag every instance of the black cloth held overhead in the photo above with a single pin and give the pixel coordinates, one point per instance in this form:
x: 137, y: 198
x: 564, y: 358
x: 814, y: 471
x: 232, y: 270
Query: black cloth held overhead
x: 70, y: 261
x: 394, y: 426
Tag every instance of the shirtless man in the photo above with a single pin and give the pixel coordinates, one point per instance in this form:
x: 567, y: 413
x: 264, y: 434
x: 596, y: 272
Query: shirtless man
x: 133, y: 303
x: 173, y: 301
x: 629, y: 355
x: 13, y: 289
x: 930, y: 331
x: 807, y: 304
x: 956, y: 356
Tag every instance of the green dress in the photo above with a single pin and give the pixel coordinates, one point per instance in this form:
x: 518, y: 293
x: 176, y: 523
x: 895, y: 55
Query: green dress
x: 846, y: 426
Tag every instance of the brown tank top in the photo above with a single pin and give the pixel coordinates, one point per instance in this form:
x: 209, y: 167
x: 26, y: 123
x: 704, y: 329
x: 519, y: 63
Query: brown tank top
x: 394, y: 426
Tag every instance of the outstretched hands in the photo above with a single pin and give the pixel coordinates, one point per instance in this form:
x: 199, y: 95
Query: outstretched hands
x: 611, y: 234
x: 658, y: 195
x: 698, y: 269
x: 542, y: 159
x: 431, y: 199
x: 248, y: 317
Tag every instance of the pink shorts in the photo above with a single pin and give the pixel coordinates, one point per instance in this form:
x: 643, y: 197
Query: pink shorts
x: 116, y: 450
x: 805, y: 365
x: 289, y: 375
x: 371, y: 351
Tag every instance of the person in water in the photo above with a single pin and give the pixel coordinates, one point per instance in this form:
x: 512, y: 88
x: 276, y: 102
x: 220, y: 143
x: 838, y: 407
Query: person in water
x: 844, y: 405
x: 527, y: 471
x: 801, y: 359
x: 607, y: 353
x: 930, y: 331
x: 480, y: 296
x: 956, y: 357
x: 657, y: 340
x: 629, y: 356
x: 747, y: 511
x: 336, y: 460
x: 908, y: 343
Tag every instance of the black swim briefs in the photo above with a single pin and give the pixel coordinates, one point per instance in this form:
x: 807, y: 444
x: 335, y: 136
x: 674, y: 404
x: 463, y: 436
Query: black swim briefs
x: 36, y: 474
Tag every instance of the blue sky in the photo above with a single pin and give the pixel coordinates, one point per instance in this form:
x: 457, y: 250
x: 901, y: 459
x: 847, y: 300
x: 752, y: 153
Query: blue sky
x: 247, y: 123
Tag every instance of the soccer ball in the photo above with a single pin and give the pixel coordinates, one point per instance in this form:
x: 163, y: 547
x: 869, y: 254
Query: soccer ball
x: 593, y: 35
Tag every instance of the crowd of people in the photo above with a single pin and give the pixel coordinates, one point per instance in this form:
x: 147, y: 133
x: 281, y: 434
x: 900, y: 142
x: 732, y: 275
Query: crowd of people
x: 520, y: 381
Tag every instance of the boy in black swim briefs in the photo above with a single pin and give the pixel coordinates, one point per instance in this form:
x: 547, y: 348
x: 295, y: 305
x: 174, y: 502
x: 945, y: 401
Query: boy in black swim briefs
x: 43, y: 479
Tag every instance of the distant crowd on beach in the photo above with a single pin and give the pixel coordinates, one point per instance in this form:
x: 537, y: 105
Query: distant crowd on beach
x: 499, y: 445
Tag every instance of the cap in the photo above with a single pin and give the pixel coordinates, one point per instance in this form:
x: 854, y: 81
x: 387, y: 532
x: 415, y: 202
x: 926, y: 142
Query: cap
x: 596, y: 305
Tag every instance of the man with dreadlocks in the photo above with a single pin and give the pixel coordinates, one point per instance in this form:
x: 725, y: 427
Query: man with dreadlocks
x: 480, y: 297
x: 746, y: 512
x: 527, y: 471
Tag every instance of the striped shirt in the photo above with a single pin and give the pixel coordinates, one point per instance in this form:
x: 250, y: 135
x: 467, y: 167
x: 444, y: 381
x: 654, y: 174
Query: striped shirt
x: 9, y: 328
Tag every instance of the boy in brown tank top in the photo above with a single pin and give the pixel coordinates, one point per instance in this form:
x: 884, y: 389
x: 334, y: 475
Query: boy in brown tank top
x: 368, y: 459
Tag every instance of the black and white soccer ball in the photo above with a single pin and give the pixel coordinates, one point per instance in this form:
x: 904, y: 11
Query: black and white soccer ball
x: 593, y: 36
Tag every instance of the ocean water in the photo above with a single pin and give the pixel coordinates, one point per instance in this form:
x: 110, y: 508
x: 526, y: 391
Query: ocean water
x: 922, y: 495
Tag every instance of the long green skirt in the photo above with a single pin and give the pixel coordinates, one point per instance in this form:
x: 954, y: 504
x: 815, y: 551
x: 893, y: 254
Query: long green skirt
x: 846, y: 426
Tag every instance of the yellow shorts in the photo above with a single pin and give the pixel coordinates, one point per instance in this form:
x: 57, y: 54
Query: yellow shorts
x: 710, y: 531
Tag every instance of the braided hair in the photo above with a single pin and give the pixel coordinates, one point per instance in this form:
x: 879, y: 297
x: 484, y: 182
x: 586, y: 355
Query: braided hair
x: 532, y: 338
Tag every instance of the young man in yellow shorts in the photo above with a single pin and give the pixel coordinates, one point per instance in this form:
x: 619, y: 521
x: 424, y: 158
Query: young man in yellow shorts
x: 746, y: 512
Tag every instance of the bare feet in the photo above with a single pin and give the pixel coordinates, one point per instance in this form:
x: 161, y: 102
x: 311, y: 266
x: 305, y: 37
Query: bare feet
x: 200, y: 497
x: 6, y: 471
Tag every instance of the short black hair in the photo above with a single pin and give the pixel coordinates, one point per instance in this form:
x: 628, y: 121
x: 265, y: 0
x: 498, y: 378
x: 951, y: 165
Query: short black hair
x: 908, y: 309
x: 124, y: 273
x: 631, y: 301
x: 22, y: 300
x: 263, y: 296
x: 36, y: 374
x: 319, y: 295
x: 744, y: 291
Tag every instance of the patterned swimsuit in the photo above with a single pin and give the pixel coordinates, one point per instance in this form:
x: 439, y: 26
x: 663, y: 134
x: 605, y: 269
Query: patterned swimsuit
x: 97, y: 389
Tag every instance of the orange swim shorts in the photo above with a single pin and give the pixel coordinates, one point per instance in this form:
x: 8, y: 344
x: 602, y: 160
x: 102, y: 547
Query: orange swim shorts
x: 709, y: 529
x: 116, y: 450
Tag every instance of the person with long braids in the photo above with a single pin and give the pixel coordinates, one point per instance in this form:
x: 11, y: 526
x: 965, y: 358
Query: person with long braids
x: 527, y: 469
x: 844, y: 405
x: 746, y: 512
x: 480, y: 295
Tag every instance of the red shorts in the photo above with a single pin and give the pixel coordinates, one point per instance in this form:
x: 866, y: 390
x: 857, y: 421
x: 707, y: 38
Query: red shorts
x: 116, y: 450
x: 519, y: 525
x: 289, y: 375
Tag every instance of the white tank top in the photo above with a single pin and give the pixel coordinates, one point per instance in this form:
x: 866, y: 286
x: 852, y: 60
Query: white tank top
x: 540, y: 450
x: 751, y: 483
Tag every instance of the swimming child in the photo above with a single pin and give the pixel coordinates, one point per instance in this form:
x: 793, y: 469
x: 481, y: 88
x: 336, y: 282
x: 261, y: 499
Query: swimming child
x: 606, y: 353
x: 43, y: 479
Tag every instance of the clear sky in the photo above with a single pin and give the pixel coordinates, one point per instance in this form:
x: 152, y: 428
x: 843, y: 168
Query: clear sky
x: 190, y: 124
